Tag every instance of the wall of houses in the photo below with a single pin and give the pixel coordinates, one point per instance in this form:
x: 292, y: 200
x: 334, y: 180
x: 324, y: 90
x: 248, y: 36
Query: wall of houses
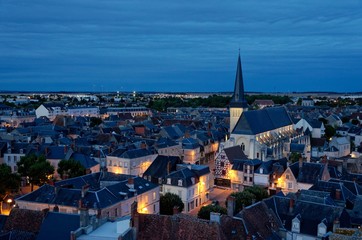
x: 134, y: 166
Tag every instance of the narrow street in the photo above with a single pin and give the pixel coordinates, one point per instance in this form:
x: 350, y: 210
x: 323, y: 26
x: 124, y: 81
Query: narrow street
x: 216, y: 194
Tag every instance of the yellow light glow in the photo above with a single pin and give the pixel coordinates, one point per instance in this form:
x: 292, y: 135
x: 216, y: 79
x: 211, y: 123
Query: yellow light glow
x: 9, y: 200
x: 144, y: 210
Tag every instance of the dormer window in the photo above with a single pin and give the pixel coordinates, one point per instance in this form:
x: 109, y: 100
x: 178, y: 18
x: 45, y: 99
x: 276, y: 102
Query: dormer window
x: 168, y: 180
x: 193, y: 180
x: 322, y: 228
x: 180, y: 182
x: 296, y: 224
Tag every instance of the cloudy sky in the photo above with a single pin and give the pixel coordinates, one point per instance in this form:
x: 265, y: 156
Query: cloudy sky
x: 126, y: 45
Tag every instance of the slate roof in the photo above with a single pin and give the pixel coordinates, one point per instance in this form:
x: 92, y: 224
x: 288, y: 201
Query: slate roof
x: 311, y: 214
x: 58, y: 226
x: 190, y: 143
x: 184, y: 175
x: 24, y: 220
x: 259, y: 121
x: 158, y: 168
x: 165, y: 142
x: 260, y: 221
x: 69, y: 194
x: 235, y: 153
x: 86, y: 161
x: 238, y: 98
x: 309, y: 173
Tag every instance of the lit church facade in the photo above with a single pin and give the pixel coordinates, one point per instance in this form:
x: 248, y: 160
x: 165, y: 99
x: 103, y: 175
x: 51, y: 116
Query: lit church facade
x: 263, y: 134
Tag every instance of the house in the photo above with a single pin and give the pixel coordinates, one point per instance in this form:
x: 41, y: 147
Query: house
x: 334, y: 120
x: 50, y: 110
x: 104, y: 194
x: 268, y: 173
x: 341, y: 144
x: 306, y: 219
x: 191, y: 183
x: 168, y: 147
x: 263, y: 103
x: 307, y: 102
x: 13, y: 155
x: 318, y: 145
x: 184, y: 227
x: 242, y: 173
x: 191, y: 150
x: 315, y: 126
x: 160, y: 168
x: 302, y: 175
x: 132, y: 161
x: 223, y: 164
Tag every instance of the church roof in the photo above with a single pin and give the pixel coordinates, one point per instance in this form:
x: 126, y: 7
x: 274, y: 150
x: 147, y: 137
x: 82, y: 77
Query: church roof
x: 259, y: 121
x: 238, y: 98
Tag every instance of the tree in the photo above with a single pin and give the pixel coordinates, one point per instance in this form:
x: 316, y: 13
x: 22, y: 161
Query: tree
x: 246, y: 197
x: 70, y: 169
x: 205, y: 211
x: 94, y: 121
x: 294, y: 157
x: 37, y: 169
x: 9, y: 182
x: 329, y: 132
x: 168, y: 202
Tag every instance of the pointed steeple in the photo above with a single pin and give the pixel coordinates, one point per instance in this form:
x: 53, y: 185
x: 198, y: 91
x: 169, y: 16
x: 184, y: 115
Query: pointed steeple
x: 238, y: 98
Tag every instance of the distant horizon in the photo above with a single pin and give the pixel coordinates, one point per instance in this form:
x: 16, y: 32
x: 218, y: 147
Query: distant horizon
x: 170, y: 92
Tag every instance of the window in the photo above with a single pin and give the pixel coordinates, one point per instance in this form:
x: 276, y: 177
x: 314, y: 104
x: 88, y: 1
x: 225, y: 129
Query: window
x: 120, y: 164
x: 243, y: 147
x: 180, y: 182
x: 154, y: 208
x: 287, y: 176
x: 245, y: 179
x: 250, y: 179
x: 159, y: 180
x: 110, y: 162
x: 290, y: 185
x: 146, y: 199
x: 168, y: 180
x: 116, y: 212
x: 126, y: 164
x: 257, y: 155
x: 154, y: 195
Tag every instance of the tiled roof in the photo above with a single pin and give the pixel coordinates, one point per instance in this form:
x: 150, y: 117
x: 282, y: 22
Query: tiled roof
x: 184, y: 227
x: 24, y: 220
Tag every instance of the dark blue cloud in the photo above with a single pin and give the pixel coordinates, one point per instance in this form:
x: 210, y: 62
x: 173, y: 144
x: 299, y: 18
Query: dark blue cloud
x: 180, y: 46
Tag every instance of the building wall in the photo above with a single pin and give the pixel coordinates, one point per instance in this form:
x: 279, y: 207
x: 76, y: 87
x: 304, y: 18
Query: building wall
x: 134, y: 166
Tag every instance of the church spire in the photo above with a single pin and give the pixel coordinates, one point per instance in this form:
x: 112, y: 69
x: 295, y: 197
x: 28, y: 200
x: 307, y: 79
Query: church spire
x: 238, y: 98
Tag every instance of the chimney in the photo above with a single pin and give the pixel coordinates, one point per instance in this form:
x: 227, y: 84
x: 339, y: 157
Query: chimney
x: 291, y: 205
x: 84, y: 217
x: 338, y: 194
x: 336, y: 224
x: 130, y: 183
x: 215, y: 217
x: 135, y: 218
x: 175, y: 210
x: 56, y: 208
x: 143, y: 145
x: 168, y: 167
x: 231, y: 206
x: 300, y: 163
x: 85, y: 189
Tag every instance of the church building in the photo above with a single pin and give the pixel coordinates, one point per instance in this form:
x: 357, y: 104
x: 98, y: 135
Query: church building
x: 263, y: 134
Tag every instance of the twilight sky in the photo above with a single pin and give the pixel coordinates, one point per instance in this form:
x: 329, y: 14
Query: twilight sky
x: 126, y: 45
